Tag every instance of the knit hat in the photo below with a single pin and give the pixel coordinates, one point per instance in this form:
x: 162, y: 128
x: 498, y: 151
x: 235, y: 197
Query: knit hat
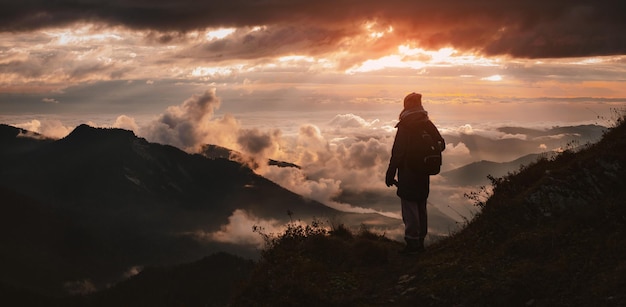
x: 412, y: 105
x: 413, y: 100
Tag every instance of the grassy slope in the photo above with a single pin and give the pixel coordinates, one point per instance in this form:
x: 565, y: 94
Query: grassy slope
x: 551, y: 235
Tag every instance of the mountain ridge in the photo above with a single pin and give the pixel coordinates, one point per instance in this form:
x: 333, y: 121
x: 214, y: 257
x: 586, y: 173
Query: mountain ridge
x: 127, y: 200
x: 475, y: 173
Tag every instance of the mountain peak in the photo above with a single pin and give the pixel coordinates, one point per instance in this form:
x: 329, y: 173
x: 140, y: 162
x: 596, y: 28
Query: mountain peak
x: 85, y: 133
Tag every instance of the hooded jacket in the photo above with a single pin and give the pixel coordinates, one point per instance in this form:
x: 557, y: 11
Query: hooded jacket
x: 411, y: 185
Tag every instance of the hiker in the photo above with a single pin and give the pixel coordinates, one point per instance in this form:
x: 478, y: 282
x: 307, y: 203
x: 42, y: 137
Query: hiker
x: 412, y: 185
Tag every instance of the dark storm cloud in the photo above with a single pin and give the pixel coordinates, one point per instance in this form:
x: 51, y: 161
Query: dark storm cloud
x: 530, y: 29
x: 270, y: 41
x: 41, y: 63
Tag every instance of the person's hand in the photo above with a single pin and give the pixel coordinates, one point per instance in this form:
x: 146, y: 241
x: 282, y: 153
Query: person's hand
x: 390, y: 177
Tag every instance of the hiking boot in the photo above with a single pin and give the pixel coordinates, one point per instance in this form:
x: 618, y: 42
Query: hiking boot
x: 413, y: 247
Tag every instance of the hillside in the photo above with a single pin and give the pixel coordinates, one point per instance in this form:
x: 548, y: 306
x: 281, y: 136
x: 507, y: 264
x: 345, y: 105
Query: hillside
x: 87, y: 208
x: 475, y: 174
x: 552, y: 234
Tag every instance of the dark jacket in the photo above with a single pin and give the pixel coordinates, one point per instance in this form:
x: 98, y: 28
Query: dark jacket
x: 411, y: 185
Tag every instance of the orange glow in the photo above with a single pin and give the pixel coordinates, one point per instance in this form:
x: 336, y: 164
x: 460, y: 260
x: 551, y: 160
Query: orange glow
x: 376, y: 31
x: 417, y: 58
x: 56, y: 58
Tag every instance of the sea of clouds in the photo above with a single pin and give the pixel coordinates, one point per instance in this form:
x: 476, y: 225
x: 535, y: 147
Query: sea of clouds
x: 342, y: 157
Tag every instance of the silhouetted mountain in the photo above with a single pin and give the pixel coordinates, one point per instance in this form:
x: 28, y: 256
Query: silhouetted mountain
x: 475, y: 174
x: 15, y: 141
x: 507, y: 147
x: 92, y: 205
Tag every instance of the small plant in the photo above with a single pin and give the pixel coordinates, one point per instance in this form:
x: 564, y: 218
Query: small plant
x: 618, y: 115
x: 484, y: 192
x: 294, y: 232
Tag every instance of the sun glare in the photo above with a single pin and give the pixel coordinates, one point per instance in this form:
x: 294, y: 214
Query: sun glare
x: 418, y: 58
x: 390, y: 61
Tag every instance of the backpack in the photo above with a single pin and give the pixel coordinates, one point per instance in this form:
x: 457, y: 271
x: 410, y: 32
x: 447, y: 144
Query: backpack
x: 424, y: 153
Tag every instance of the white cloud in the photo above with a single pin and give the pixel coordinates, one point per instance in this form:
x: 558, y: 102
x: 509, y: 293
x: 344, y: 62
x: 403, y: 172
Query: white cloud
x: 321, y: 189
x: 294, y: 179
x: 466, y: 129
x: 48, y: 127
x: 515, y: 136
x: 239, y: 229
x: 557, y: 136
x: 351, y: 121
x: 126, y: 122
x: 459, y: 149
x: 191, y: 124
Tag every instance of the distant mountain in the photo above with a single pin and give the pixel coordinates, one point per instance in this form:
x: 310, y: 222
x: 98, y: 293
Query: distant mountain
x: 15, y: 141
x: 218, y: 152
x: 475, y: 174
x: 507, y: 147
x: 92, y: 205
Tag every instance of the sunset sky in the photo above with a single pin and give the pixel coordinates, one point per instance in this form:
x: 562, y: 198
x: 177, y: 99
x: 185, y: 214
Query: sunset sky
x: 309, y: 81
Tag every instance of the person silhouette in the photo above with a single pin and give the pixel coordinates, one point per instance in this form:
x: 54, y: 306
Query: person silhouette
x: 413, y: 186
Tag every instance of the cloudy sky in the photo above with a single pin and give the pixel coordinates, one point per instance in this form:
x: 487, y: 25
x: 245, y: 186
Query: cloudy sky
x: 317, y: 83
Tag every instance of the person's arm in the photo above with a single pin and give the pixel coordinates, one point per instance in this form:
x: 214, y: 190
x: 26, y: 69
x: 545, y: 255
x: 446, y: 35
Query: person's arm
x: 397, y: 156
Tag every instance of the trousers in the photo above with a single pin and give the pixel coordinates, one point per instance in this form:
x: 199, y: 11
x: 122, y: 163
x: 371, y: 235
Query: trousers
x: 415, y: 218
